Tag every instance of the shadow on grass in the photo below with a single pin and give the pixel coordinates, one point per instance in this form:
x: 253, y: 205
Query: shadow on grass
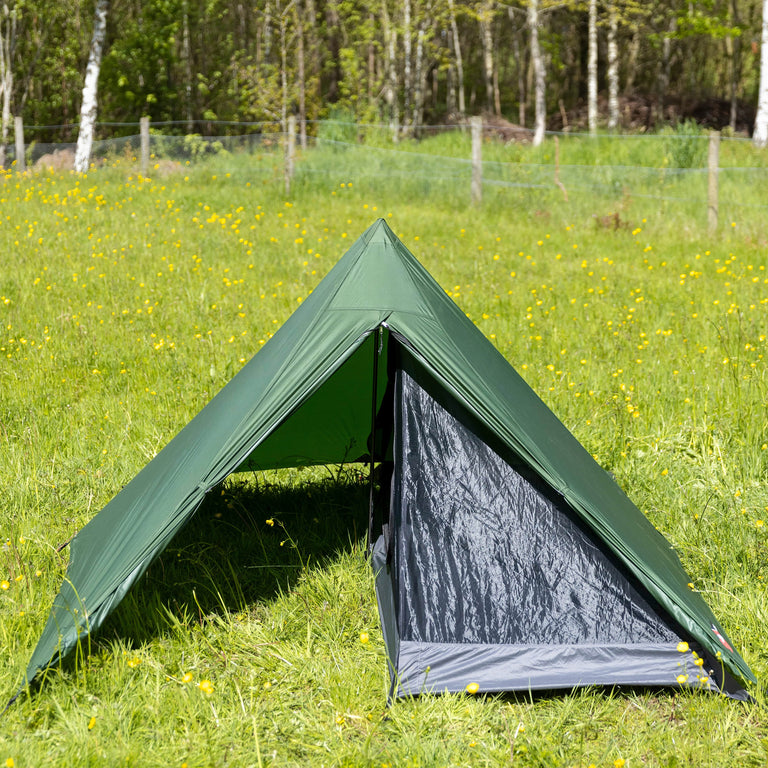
x: 248, y: 542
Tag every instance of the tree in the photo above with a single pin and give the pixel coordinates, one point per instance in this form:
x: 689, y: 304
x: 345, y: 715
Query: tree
x: 459, y: 61
x: 733, y: 51
x: 485, y: 17
x: 7, y: 45
x: 613, y: 68
x: 539, y: 75
x: 418, y: 89
x: 592, y: 68
x: 760, y: 135
x: 90, y: 88
x: 391, y: 82
x: 407, y: 76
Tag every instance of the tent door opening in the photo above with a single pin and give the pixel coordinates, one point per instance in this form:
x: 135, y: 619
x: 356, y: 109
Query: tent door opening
x: 484, y: 575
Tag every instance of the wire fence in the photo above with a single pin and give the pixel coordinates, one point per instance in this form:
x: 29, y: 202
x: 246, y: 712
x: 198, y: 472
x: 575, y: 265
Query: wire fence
x: 670, y: 167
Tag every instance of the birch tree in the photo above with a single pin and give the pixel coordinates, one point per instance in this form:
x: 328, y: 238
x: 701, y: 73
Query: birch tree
x: 592, y: 68
x: 407, y: 73
x: 459, y: 60
x: 613, y: 67
x: 539, y: 75
x: 418, y: 81
x: 7, y: 43
x: 390, y: 80
x: 90, y: 88
x: 760, y: 135
x: 300, y: 74
x: 485, y: 18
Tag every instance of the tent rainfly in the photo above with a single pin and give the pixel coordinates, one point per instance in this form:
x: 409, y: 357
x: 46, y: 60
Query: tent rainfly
x: 504, y: 555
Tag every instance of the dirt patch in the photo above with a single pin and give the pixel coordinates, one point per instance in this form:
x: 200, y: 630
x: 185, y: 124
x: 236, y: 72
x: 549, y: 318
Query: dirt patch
x: 498, y: 127
x: 638, y: 114
x: 58, y: 160
x: 165, y: 168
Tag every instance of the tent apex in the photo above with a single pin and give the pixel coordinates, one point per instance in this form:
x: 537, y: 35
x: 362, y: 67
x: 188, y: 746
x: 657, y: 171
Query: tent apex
x: 380, y: 231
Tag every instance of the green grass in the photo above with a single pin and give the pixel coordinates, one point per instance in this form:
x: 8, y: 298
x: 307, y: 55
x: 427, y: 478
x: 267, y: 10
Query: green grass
x: 126, y: 303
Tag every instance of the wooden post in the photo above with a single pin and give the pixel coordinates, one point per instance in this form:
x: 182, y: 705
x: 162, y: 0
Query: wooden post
x: 713, y: 163
x: 144, y: 130
x: 18, y: 129
x: 559, y: 183
x: 290, y: 153
x: 477, y: 159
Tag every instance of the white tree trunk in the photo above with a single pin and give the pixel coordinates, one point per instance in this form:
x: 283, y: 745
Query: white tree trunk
x: 300, y: 75
x: 539, y: 76
x: 7, y: 42
x: 613, y: 68
x: 90, y: 88
x: 592, y: 67
x: 459, y: 61
x: 760, y: 136
x: 390, y: 83
x: 283, y: 75
x: 418, y: 89
x: 486, y: 35
x: 407, y: 75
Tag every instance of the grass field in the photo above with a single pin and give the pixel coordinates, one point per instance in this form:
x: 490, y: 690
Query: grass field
x: 126, y: 303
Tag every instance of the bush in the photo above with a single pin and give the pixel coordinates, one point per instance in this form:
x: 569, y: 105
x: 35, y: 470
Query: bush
x: 685, y: 145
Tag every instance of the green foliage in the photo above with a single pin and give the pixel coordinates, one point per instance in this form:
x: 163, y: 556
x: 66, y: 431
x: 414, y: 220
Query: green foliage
x: 686, y: 145
x: 195, y: 146
x: 135, y: 77
x: 255, y: 638
x: 340, y: 126
x: 181, y: 61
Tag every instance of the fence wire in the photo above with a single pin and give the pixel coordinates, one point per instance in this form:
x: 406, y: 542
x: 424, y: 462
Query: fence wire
x: 668, y: 167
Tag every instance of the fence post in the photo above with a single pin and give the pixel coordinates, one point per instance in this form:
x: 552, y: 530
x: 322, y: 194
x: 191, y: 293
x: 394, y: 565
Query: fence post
x: 290, y: 153
x: 18, y: 130
x: 144, y: 131
x: 713, y: 163
x: 477, y: 159
x: 559, y: 184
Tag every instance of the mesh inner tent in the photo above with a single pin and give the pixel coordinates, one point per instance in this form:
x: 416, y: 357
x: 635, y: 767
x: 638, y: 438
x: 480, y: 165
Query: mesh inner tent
x: 486, y: 574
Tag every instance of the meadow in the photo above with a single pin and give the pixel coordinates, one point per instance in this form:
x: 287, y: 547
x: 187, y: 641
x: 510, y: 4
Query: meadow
x: 127, y: 302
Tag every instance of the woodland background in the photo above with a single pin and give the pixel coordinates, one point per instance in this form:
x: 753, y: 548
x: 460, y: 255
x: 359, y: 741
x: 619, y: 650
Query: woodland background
x: 410, y: 63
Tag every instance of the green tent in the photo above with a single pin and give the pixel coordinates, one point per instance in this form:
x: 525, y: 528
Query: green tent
x: 505, y: 556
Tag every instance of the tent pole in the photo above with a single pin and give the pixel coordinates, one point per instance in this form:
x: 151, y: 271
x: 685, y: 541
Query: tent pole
x: 372, y: 450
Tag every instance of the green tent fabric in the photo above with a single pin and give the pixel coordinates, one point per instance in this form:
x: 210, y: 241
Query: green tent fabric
x: 306, y: 398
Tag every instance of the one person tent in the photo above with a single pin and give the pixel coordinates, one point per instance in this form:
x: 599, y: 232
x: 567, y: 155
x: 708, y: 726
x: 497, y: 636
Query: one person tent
x: 505, y: 556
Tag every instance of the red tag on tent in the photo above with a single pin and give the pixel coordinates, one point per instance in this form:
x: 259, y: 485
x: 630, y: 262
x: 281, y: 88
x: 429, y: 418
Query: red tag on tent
x: 721, y: 638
